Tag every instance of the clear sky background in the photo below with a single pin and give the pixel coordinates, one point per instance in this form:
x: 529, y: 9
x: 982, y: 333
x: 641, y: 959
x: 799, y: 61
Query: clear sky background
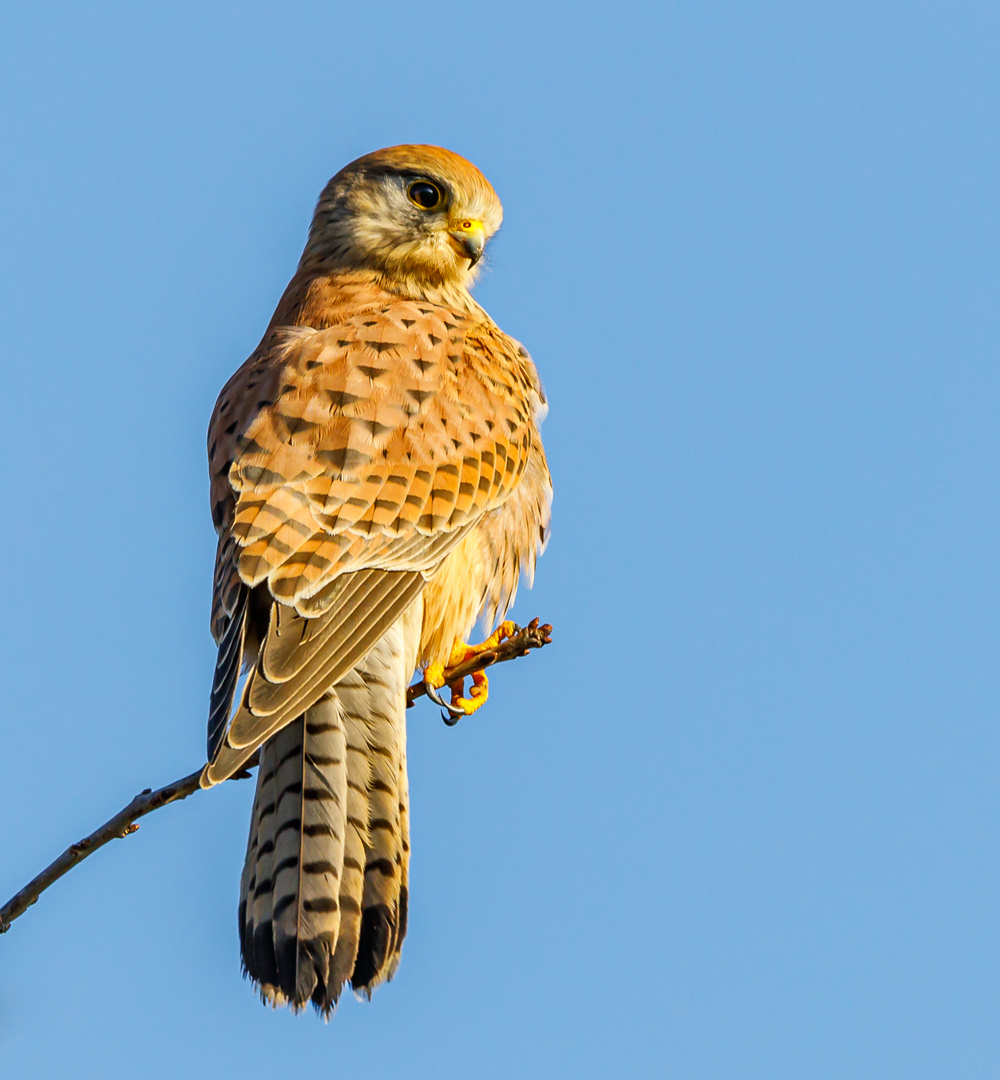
x: 741, y: 819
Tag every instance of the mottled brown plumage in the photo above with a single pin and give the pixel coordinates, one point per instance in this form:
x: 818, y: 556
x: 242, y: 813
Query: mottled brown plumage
x: 378, y: 481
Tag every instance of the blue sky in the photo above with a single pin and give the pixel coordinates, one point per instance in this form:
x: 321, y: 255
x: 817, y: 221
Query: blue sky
x: 741, y: 819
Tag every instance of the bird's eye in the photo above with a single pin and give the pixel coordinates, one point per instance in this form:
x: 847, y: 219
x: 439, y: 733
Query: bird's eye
x: 425, y: 194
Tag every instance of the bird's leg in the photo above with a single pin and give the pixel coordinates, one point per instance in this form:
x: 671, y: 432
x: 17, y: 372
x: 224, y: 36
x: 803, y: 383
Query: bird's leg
x: 434, y: 676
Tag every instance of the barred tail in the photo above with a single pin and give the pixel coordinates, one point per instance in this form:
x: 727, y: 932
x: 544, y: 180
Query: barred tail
x: 324, y: 890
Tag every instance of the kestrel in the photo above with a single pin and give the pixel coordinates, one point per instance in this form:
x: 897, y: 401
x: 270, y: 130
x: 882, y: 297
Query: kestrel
x: 377, y: 482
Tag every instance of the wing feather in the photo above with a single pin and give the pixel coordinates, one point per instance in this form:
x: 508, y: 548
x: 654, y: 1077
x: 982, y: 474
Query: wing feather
x: 347, y: 462
x: 263, y: 713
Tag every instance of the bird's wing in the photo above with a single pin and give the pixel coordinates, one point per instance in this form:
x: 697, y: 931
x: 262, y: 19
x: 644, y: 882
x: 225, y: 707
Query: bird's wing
x: 347, y: 462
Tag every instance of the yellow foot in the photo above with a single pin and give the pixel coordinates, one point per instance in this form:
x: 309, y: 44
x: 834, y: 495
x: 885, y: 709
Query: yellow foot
x: 463, y: 652
x: 478, y: 693
x: 434, y: 676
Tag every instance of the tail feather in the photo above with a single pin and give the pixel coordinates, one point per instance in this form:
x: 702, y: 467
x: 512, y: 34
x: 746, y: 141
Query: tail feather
x: 309, y: 849
x: 323, y: 894
x: 352, y: 884
x: 404, y: 865
x: 372, y: 693
x: 259, y: 958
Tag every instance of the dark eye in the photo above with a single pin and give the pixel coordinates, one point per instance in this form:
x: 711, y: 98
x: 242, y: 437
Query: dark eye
x: 425, y: 194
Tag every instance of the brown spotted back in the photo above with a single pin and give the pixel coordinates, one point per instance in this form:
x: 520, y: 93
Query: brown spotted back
x: 368, y: 444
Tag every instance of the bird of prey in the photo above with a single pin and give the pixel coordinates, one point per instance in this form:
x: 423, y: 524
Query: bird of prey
x: 377, y: 483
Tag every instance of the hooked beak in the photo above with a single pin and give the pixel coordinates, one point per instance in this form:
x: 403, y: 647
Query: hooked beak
x: 470, y: 236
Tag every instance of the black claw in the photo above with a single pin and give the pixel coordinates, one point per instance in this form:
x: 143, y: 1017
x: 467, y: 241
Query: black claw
x: 435, y: 696
x: 451, y: 715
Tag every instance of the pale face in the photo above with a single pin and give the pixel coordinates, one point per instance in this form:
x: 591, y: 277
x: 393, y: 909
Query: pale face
x: 413, y: 212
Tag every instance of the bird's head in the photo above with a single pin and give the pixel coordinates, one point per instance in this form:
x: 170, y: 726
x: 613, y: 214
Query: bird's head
x: 418, y: 215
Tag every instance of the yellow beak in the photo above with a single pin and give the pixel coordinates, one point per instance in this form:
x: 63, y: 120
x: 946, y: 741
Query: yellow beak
x: 471, y: 238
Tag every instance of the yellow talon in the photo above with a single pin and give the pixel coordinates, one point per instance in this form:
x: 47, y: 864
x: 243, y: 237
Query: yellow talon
x: 508, y: 628
x: 480, y: 689
x: 434, y: 674
x: 478, y: 693
x: 464, y: 651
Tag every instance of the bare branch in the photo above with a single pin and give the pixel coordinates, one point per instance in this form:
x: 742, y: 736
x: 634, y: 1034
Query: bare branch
x: 124, y: 824
x: 518, y: 644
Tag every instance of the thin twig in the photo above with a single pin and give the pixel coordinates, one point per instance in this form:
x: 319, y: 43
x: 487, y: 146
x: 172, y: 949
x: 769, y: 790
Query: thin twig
x: 518, y: 644
x: 124, y: 824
